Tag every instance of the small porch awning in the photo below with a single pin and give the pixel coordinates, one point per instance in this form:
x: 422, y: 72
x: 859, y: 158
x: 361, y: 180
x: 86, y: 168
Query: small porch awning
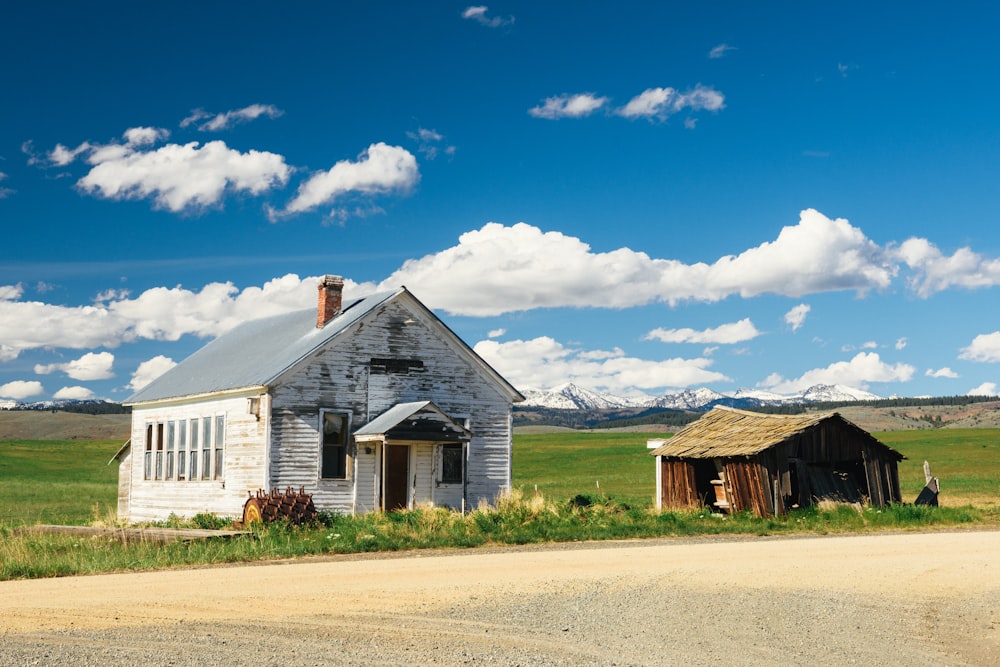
x: 421, y: 421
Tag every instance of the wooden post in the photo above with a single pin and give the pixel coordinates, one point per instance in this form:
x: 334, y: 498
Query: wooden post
x: 929, y: 494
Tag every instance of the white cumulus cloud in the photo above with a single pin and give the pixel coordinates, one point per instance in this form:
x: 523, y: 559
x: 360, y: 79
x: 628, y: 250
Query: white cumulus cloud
x: 796, y: 317
x: 60, y: 156
x: 984, y: 347
x: 181, y: 177
x: 663, y: 102
x: 498, y: 269
x: 935, y: 271
x: 863, y: 369
x: 380, y: 169
x: 985, y: 389
x: 21, y: 389
x: 11, y: 292
x: 74, y: 393
x: 91, y: 366
x: 944, y: 372
x: 545, y: 362
x: 158, y: 313
x: 149, y: 370
x: 568, y: 106
x: 727, y: 334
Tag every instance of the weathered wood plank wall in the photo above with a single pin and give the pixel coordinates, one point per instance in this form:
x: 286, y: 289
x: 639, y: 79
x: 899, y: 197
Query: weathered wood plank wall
x: 339, y: 378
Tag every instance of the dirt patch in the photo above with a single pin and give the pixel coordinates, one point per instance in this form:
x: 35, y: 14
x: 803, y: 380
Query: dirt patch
x: 904, y: 599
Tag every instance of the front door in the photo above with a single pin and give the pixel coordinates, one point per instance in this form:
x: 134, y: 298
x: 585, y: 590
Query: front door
x: 397, y: 475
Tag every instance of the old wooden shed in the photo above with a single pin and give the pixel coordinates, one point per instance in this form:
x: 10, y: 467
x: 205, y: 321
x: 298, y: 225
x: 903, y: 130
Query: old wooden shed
x: 737, y: 460
x: 369, y: 404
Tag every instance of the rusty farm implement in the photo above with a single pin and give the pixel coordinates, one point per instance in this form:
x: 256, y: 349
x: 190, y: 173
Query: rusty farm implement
x: 291, y: 505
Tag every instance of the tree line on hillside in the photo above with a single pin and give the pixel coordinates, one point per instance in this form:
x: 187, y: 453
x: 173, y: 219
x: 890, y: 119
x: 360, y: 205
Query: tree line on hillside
x: 602, y: 418
x: 897, y: 402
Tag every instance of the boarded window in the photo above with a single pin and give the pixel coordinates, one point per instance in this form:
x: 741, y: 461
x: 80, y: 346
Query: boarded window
x: 392, y: 366
x: 451, y: 464
x: 333, y: 464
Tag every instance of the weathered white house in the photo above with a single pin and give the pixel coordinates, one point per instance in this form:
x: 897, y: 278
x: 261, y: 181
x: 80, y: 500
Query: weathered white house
x: 376, y: 405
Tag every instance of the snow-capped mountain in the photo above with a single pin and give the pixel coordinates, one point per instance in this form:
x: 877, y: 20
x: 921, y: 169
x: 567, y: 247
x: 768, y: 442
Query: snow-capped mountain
x: 54, y: 404
x: 570, y: 396
x: 835, y: 392
x: 689, y: 399
x: 763, y: 397
x: 574, y: 397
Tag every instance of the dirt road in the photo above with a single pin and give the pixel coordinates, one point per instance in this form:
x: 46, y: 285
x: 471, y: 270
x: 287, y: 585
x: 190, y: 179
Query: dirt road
x: 907, y: 599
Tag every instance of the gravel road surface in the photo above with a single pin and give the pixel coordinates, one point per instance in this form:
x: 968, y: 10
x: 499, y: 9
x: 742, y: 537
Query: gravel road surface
x: 900, y: 599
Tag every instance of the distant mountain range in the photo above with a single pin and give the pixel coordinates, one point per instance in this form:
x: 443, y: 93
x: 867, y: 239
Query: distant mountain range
x: 574, y: 397
x: 570, y: 396
x: 91, y: 405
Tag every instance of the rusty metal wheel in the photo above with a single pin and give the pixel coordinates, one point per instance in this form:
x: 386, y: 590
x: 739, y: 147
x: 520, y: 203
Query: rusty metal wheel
x: 251, y: 512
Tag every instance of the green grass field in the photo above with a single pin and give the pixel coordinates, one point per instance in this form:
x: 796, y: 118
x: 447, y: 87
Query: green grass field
x: 563, y: 465
x: 69, y: 482
x: 57, y: 481
x: 966, y: 461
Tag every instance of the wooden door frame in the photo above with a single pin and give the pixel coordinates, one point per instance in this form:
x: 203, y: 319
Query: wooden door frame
x: 385, y: 476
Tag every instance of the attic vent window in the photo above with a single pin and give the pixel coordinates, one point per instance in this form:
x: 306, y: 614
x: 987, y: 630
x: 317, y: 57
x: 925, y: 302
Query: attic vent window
x: 389, y: 366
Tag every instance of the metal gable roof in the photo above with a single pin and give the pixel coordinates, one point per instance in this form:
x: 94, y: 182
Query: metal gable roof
x: 255, y: 353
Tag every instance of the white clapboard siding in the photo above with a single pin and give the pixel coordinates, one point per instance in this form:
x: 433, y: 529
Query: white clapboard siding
x: 243, y: 463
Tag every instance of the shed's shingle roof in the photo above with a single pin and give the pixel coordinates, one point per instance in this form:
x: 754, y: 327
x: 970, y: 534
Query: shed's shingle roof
x: 255, y: 353
x: 725, y: 432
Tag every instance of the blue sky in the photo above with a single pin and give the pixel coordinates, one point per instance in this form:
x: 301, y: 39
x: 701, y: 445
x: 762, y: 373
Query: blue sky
x: 636, y: 197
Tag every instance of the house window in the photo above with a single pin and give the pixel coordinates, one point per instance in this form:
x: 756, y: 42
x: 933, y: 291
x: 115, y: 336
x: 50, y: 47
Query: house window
x: 206, y: 452
x: 194, y: 449
x: 220, y: 439
x: 171, y: 444
x: 333, y: 457
x: 182, y: 449
x: 185, y: 449
x: 451, y: 464
x: 147, y: 472
x: 159, y: 451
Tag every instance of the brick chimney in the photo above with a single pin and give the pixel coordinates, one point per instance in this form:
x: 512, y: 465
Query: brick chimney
x: 331, y: 298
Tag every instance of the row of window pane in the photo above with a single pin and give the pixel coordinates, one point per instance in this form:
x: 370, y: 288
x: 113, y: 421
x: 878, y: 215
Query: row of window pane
x: 185, y: 449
